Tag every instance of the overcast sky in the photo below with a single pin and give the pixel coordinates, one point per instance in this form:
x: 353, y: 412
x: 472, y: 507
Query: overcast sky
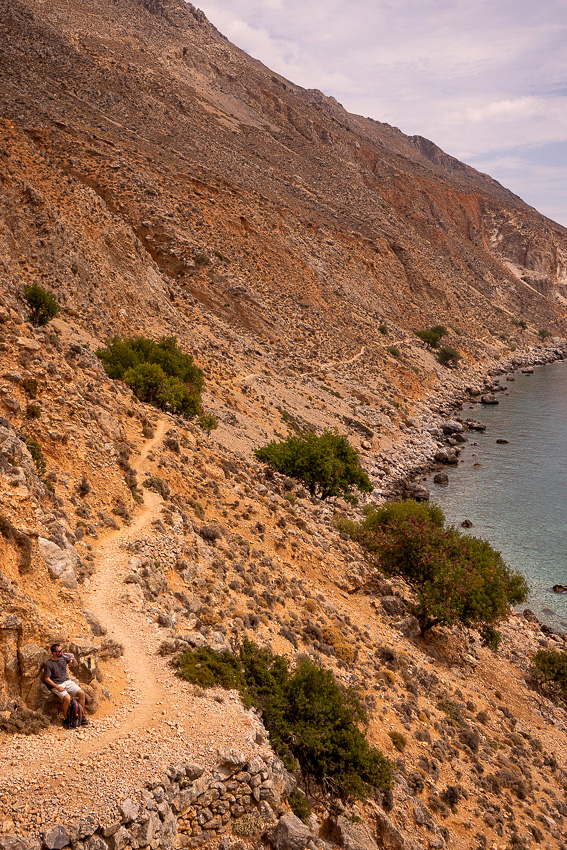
x: 486, y: 80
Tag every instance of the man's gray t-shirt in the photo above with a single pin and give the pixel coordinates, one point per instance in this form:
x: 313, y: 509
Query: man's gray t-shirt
x: 56, y: 670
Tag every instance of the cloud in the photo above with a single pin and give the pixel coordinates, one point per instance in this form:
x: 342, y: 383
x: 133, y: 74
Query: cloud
x: 474, y: 76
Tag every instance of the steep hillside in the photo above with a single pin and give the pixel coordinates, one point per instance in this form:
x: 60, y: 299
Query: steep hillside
x: 159, y: 181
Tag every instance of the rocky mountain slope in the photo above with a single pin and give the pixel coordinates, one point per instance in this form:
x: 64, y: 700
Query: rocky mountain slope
x: 157, y: 180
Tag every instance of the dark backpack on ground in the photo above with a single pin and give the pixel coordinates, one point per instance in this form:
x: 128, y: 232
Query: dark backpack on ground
x: 74, y: 716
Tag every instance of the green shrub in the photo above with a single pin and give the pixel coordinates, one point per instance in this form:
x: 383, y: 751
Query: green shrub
x: 33, y: 411
x: 159, y: 373
x: 327, y: 464
x: 299, y: 805
x: 440, y: 330
x: 430, y: 338
x: 394, y: 351
x: 550, y: 668
x: 36, y: 452
x: 543, y: 334
x: 448, y: 356
x: 311, y: 720
x: 458, y: 579
x: 158, y: 485
x: 42, y: 304
x: 207, y: 668
x: 30, y: 387
x: 520, y: 323
x: 208, y: 422
x: 383, y: 329
x: 398, y: 740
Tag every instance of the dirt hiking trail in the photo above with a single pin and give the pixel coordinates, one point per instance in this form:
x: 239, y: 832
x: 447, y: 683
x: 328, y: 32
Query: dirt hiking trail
x: 155, y: 719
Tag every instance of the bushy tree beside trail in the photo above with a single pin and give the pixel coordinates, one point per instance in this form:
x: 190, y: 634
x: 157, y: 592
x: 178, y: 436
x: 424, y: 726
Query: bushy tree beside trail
x: 313, y: 722
x: 159, y: 373
x: 327, y: 464
x: 458, y: 579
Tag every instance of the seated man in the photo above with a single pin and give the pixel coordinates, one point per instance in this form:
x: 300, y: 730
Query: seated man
x: 56, y: 678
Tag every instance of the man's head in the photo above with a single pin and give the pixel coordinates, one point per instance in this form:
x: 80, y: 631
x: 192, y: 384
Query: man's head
x: 56, y: 650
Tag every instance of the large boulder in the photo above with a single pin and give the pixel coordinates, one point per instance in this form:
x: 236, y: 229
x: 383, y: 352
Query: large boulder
x: 291, y: 833
x: 451, y: 426
x: 56, y: 838
x: 388, y: 835
x: 448, y: 456
x: 417, y: 491
x: 351, y: 836
x: 61, y: 563
x: 32, y: 659
x: 409, y: 627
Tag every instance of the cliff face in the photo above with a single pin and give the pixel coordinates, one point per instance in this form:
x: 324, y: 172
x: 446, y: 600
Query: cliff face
x: 146, y: 141
x: 160, y: 181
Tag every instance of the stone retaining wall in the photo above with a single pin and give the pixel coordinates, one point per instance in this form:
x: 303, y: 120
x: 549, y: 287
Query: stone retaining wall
x: 185, y: 808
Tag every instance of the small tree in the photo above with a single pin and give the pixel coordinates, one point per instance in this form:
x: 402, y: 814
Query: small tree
x: 449, y: 356
x: 432, y: 336
x: 208, y: 422
x: 158, y: 372
x: 42, y: 304
x: 458, y: 579
x: 326, y: 464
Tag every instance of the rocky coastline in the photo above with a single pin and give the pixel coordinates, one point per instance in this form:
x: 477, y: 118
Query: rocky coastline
x: 441, y: 430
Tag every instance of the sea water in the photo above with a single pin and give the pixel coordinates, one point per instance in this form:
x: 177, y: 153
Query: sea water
x: 515, y: 493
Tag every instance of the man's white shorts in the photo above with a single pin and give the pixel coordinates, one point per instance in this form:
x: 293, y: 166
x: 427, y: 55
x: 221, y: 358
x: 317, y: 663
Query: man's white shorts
x: 71, y: 689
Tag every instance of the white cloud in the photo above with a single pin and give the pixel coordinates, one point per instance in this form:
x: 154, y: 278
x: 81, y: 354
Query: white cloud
x: 472, y: 75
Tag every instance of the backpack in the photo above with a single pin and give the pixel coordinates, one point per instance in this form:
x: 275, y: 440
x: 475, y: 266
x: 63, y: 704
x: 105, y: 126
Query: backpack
x: 74, y: 716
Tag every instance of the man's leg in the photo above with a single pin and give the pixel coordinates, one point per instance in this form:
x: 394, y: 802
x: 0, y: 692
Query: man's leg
x: 65, y: 704
x: 81, y: 698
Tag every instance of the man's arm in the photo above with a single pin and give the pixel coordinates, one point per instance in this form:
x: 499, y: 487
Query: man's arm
x: 51, y: 684
x: 71, y: 660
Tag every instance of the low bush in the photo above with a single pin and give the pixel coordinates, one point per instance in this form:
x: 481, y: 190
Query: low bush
x: 398, y: 740
x: 312, y: 721
x: 448, y: 356
x: 394, y: 351
x: 43, y: 305
x: 208, y: 422
x: 299, y: 805
x: 429, y: 338
x: 432, y: 336
x: 206, y: 668
x: 327, y: 465
x: 36, y: 452
x: 159, y: 373
x: 30, y: 387
x: 550, y: 669
x: 33, y: 411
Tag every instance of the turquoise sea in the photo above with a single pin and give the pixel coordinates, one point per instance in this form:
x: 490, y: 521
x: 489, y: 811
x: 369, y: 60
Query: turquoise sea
x: 515, y: 494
